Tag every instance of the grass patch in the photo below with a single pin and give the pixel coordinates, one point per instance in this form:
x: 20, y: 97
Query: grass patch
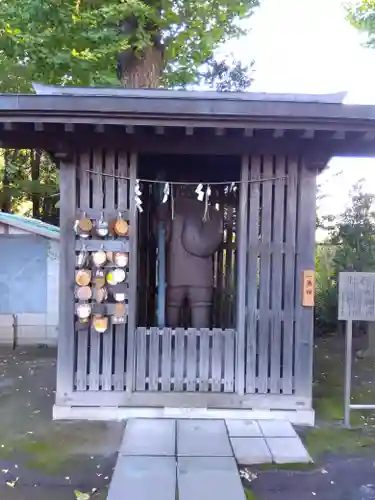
x: 344, y: 441
x: 250, y: 495
x: 328, y: 390
x: 289, y: 467
x: 38, y: 454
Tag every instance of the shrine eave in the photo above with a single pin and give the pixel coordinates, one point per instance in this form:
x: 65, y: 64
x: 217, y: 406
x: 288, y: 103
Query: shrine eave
x: 228, y: 123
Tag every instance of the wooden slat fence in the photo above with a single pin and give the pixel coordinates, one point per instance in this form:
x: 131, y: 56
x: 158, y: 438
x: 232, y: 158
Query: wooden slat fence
x: 185, y: 360
x: 100, y: 359
x: 276, y: 210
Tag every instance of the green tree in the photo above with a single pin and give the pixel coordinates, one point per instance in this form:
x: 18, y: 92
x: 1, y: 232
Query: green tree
x: 361, y: 14
x: 350, y: 246
x: 82, y: 42
x: 160, y: 42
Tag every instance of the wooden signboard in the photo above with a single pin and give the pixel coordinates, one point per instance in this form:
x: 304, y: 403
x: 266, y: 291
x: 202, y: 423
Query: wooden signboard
x: 356, y: 297
x: 308, y: 288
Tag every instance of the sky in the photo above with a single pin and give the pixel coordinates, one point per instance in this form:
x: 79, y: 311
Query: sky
x: 308, y: 46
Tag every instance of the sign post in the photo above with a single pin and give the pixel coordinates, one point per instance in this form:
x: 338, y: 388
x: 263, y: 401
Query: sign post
x: 356, y: 303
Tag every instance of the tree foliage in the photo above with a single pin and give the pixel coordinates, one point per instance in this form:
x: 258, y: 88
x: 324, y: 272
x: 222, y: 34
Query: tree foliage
x: 361, y: 14
x: 78, y: 41
x: 350, y: 246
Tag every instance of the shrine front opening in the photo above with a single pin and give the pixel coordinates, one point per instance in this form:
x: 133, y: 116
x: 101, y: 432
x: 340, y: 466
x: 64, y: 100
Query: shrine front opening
x: 195, y: 350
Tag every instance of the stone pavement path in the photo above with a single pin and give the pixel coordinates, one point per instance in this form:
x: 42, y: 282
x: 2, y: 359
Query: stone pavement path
x: 52, y: 459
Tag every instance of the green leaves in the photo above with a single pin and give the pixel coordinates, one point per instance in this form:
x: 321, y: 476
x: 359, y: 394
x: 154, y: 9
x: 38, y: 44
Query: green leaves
x: 54, y: 42
x: 349, y: 247
x: 361, y: 14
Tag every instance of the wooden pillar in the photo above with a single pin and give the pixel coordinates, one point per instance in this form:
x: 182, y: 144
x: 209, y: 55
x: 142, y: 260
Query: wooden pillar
x: 133, y: 281
x: 305, y: 260
x: 241, y: 277
x: 65, y: 354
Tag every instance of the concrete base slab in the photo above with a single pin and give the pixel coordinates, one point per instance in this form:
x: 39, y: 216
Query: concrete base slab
x: 201, y: 478
x: 288, y: 450
x: 277, y: 428
x: 251, y: 451
x: 143, y: 478
x: 202, y: 438
x: 243, y: 428
x: 149, y: 437
x: 62, y: 411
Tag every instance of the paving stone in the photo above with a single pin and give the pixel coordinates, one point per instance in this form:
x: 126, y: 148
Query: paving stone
x: 277, y: 428
x: 288, y: 450
x: 203, y: 438
x: 243, y: 428
x: 250, y: 451
x: 143, y: 478
x: 149, y: 437
x: 202, y: 478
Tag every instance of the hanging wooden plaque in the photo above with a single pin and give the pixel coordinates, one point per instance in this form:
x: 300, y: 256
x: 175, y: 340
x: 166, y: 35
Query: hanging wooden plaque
x: 308, y: 288
x: 83, y: 277
x: 100, y: 323
x: 83, y: 293
x: 99, y: 278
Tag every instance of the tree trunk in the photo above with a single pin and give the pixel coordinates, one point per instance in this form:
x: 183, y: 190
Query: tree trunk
x: 35, y: 172
x: 144, y: 72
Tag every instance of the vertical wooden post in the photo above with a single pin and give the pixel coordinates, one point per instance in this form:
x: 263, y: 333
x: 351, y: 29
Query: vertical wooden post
x: 65, y: 354
x: 306, y: 227
x: 133, y: 263
x: 252, y: 276
x: 348, y: 371
x: 242, y: 276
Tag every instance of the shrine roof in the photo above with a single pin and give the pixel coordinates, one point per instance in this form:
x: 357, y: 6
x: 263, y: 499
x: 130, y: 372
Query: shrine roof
x: 261, y: 110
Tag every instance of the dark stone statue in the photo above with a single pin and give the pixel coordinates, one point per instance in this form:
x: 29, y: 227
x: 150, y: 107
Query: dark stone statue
x: 191, y: 243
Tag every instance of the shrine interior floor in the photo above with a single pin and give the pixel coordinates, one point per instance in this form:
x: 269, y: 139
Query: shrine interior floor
x: 159, y: 457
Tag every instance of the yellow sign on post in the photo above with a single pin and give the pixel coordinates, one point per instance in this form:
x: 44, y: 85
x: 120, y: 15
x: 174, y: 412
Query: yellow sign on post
x: 308, y: 288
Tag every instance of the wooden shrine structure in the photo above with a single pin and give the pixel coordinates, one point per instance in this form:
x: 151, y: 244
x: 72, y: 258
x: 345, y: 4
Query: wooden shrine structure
x: 257, y: 356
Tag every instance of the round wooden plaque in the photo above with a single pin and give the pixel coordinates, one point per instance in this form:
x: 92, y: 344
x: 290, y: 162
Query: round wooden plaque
x: 121, y: 259
x: 99, y: 258
x: 100, y: 323
x: 121, y: 227
x: 83, y: 311
x: 111, y: 279
x: 83, y: 277
x: 119, y: 275
x: 83, y: 293
x: 85, y: 225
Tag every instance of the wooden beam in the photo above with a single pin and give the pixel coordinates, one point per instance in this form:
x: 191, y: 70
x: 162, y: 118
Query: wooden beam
x: 39, y: 126
x: 69, y: 127
x: 308, y: 134
x: 219, y: 131
x: 248, y: 132
x: 100, y: 129
x: 369, y: 136
x: 339, y: 135
x: 278, y: 133
x: 184, y: 144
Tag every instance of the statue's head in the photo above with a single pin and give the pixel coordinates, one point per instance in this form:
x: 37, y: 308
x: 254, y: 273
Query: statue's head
x: 184, y: 190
